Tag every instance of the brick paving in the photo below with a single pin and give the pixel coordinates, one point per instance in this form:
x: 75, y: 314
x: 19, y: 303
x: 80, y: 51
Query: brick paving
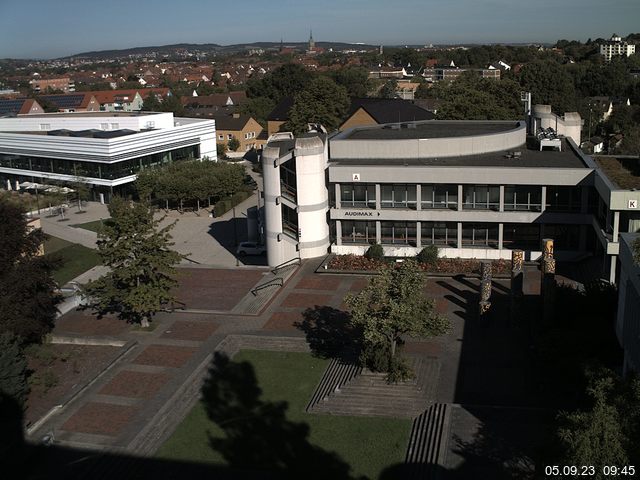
x: 190, y: 330
x: 320, y: 282
x: 86, y: 323
x: 100, y: 419
x: 165, y: 356
x: 135, y: 384
x: 215, y: 289
x: 305, y: 300
x: 283, y: 321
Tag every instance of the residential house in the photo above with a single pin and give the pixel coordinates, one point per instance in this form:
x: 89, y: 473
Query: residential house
x: 19, y: 106
x: 241, y: 127
x: 43, y: 84
x: 73, y: 102
x: 378, y: 111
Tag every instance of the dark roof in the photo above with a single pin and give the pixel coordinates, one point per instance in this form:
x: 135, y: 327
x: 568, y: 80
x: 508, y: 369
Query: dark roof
x: 528, y: 158
x: 435, y: 129
x: 229, y: 122
x: 281, y: 111
x: 389, y: 110
x: 92, y: 133
x: 215, y: 100
x: 72, y: 100
x: 11, y: 107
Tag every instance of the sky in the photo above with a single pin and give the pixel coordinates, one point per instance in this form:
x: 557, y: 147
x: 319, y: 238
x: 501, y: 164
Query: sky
x: 50, y: 29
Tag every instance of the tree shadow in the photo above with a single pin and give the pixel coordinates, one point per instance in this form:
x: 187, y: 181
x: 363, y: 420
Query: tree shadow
x: 330, y: 334
x: 257, y: 434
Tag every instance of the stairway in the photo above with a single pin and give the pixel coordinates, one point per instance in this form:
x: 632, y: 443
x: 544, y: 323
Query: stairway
x: 335, y: 377
x: 368, y: 394
x: 427, y: 442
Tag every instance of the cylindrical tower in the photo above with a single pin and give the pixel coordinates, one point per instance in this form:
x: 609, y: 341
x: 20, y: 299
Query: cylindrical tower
x: 312, y: 196
x: 272, y: 209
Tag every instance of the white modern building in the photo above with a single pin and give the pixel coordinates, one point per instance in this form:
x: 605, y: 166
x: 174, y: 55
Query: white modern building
x: 628, y: 319
x: 476, y: 189
x: 104, y: 149
x: 616, y: 47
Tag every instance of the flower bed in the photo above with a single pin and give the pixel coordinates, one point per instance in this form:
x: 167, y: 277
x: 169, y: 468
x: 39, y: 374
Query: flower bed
x: 452, y: 266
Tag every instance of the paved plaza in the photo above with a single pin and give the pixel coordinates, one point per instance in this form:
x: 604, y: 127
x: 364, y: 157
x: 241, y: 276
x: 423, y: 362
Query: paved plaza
x: 154, y: 379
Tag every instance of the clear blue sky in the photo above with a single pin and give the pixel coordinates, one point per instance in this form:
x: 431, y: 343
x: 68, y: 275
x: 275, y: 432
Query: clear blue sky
x: 46, y: 28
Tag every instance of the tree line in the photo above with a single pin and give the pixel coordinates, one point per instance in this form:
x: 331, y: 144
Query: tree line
x: 190, y: 182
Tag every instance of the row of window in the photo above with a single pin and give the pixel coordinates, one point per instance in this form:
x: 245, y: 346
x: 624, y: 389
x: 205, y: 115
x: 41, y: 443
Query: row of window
x: 247, y: 136
x: 445, y: 234
x: 474, y: 197
x: 106, y: 171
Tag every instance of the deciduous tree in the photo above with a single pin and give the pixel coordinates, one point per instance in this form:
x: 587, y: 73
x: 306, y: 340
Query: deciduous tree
x: 392, y: 305
x: 141, y: 262
x: 13, y: 368
x: 322, y: 101
x: 28, y: 297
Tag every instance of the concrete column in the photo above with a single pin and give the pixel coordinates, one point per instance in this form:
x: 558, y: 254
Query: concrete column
x: 501, y: 199
x: 378, y: 230
x: 582, y: 245
x: 616, y: 225
x: 543, y: 199
x: 500, y: 235
x: 459, y: 235
x: 460, y: 193
x: 418, y: 234
x: 418, y: 197
x: 378, y: 201
x: 338, y: 195
x: 338, y: 232
x: 584, y: 200
x: 612, y: 271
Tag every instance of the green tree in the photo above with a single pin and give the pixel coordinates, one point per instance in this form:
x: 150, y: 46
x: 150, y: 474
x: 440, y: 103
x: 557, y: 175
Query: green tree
x: 354, y: 79
x: 388, y: 90
x: 13, y: 368
x: 233, y: 144
x: 259, y: 109
x: 28, y: 297
x: 142, y: 265
x: 322, y: 101
x: 151, y: 103
x: 549, y: 84
x: 284, y: 81
x: 393, y: 305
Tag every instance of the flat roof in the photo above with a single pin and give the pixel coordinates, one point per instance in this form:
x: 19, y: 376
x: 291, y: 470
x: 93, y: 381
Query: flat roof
x: 429, y: 129
x: 529, y: 158
x: 623, y: 172
x: 89, y: 114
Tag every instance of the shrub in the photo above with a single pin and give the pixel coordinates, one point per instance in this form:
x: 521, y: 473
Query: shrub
x: 375, y: 252
x: 428, y: 255
x: 13, y: 368
x: 399, y: 371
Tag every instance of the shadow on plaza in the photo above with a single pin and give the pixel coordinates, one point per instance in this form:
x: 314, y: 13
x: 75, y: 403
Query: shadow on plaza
x: 229, y: 233
x: 329, y: 333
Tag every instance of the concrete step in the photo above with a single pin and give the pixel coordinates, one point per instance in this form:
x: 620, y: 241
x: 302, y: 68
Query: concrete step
x: 427, y: 442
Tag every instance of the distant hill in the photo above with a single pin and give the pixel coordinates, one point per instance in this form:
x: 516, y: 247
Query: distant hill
x: 209, y: 48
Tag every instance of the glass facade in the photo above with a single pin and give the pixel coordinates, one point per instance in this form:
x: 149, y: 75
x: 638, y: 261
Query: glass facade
x: 480, y: 235
x: 100, y: 170
x: 289, y: 222
x: 397, y: 196
x: 439, y: 233
x: 564, y: 199
x: 439, y: 196
x: 356, y: 195
x: 521, y: 236
x: 481, y: 197
x: 565, y: 237
x: 527, y: 198
x: 358, y: 232
x: 398, y: 233
x: 288, y: 185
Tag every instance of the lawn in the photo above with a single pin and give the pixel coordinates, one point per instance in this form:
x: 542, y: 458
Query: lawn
x: 367, y: 444
x: 76, y: 259
x: 93, y: 226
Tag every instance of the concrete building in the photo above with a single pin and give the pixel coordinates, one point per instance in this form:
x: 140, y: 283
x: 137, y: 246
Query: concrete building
x: 64, y: 84
x: 106, y: 150
x: 628, y: 319
x: 616, y: 47
x: 476, y: 189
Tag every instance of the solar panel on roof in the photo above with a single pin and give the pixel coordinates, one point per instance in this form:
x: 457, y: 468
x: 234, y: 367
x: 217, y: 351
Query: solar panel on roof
x: 65, y: 101
x: 10, y: 106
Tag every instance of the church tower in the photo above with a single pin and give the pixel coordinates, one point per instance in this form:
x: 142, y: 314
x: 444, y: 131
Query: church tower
x: 312, y: 43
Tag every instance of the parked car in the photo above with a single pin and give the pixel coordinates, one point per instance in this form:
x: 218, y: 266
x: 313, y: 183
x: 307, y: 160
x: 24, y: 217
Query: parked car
x: 250, y: 248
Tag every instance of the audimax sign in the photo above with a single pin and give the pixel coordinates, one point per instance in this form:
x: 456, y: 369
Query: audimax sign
x: 360, y: 213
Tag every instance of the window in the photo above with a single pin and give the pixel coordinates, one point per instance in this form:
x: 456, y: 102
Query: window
x: 439, y: 196
x: 528, y: 198
x: 403, y: 233
x: 564, y: 199
x: 220, y: 137
x: 439, y: 233
x: 229, y: 136
x: 115, y: 126
x: 481, y: 197
x: 565, y: 237
x: 480, y: 235
x: 45, y: 126
x: 358, y: 232
x: 397, y: 196
x: 521, y: 236
x: 289, y: 222
x: 104, y: 126
x: 358, y: 195
x: 288, y: 180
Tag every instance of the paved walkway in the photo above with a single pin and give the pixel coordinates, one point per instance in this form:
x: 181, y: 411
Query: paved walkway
x: 135, y: 405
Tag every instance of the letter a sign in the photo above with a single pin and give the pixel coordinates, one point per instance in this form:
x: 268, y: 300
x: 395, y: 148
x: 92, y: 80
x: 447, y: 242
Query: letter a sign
x: 356, y: 177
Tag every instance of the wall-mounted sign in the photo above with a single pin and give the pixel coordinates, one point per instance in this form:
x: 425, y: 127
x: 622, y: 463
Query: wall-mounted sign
x: 632, y: 204
x: 361, y: 213
x: 356, y: 177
